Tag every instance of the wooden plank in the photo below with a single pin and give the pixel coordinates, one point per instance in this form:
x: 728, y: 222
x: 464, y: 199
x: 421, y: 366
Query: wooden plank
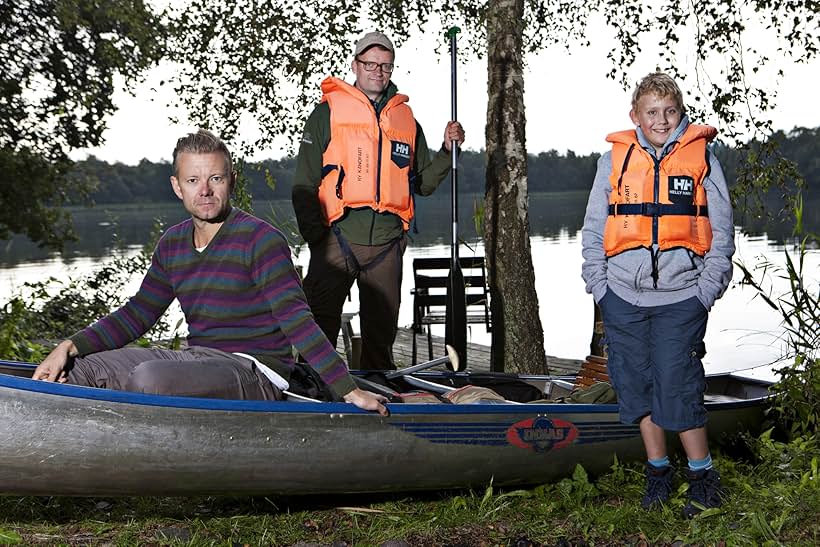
x: 595, y: 367
x: 593, y: 370
x: 440, y: 318
x: 594, y: 376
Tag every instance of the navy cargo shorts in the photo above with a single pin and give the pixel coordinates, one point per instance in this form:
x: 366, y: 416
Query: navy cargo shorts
x: 655, y: 360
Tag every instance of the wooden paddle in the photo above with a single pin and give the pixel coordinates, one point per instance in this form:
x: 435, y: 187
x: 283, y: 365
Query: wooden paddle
x: 455, y: 329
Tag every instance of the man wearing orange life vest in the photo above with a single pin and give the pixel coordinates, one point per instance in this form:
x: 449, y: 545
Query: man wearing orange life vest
x: 362, y: 157
x: 658, y: 240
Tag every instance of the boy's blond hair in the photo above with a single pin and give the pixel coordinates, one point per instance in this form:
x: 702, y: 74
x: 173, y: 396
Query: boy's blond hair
x: 660, y: 84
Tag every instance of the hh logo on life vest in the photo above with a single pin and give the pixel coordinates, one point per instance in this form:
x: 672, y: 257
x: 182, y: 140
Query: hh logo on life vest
x: 400, y: 153
x: 681, y: 188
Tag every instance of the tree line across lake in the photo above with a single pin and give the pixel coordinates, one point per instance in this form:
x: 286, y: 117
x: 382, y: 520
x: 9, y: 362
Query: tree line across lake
x: 549, y: 171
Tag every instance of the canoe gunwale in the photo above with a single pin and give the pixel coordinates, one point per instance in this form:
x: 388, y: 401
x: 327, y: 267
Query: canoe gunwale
x: 287, y: 407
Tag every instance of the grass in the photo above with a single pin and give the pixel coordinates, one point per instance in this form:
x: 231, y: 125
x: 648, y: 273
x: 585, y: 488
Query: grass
x: 774, y: 499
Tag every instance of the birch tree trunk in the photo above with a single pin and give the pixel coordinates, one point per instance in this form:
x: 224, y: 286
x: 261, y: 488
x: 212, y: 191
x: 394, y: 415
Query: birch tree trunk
x: 518, y: 337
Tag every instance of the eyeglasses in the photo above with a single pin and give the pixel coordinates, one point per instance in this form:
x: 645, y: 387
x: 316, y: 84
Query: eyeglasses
x: 370, y: 66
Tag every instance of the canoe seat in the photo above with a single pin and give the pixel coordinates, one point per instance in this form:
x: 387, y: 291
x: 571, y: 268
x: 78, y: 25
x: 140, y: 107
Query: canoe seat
x: 430, y: 295
x: 593, y: 369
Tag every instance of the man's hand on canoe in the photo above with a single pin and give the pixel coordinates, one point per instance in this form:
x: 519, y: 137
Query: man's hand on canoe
x: 367, y: 400
x: 52, y: 368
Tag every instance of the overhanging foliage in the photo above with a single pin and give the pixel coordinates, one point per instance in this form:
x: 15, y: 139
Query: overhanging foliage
x: 62, y: 61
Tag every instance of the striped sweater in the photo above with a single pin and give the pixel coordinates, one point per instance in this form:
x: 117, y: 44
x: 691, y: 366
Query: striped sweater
x: 240, y: 294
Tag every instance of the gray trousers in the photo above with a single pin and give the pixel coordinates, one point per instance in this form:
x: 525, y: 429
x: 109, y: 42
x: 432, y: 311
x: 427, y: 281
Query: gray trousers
x: 191, y: 372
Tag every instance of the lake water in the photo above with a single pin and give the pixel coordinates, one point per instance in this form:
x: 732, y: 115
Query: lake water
x: 743, y: 331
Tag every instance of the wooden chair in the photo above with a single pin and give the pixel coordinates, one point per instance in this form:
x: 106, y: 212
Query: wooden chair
x: 430, y: 295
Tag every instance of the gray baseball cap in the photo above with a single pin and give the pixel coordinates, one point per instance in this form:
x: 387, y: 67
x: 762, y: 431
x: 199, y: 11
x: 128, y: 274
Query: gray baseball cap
x: 373, y: 39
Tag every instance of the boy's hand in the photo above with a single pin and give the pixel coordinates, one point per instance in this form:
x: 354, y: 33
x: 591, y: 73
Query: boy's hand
x: 367, y: 400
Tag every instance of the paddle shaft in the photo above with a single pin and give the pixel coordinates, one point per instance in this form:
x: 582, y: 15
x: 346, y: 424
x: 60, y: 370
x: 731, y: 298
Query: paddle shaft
x: 455, y: 333
x: 415, y: 368
x: 454, y: 151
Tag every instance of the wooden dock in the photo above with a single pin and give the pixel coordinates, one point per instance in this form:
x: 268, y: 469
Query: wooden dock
x: 478, y: 356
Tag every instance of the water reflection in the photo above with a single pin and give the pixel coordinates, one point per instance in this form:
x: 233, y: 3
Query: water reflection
x: 102, y: 230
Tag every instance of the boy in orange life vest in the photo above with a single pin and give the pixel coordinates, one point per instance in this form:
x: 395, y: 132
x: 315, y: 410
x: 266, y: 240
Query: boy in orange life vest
x: 362, y: 157
x: 658, y: 240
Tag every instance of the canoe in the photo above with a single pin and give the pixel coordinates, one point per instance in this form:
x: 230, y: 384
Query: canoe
x: 58, y: 439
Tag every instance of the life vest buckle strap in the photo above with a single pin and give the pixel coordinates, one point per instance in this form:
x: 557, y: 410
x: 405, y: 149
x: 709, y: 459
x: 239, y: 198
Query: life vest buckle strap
x: 650, y: 209
x: 685, y: 209
x: 647, y: 209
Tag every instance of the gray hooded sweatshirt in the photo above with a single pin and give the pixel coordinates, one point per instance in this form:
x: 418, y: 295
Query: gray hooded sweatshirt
x: 682, y: 273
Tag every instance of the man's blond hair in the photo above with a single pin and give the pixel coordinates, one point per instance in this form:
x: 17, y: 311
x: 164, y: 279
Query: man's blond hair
x: 202, y: 142
x: 661, y: 85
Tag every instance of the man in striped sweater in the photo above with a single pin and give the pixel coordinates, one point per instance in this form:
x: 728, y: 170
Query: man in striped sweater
x: 242, y: 299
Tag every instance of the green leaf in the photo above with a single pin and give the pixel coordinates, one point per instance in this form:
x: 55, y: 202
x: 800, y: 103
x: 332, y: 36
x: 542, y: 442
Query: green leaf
x: 9, y: 537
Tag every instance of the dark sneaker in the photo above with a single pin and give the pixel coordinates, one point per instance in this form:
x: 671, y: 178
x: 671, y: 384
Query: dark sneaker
x: 658, y: 486
x: 705, y: 491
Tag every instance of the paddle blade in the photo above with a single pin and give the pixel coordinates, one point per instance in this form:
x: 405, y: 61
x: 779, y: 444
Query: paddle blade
x: 455, y: 363
x: 455, y: 332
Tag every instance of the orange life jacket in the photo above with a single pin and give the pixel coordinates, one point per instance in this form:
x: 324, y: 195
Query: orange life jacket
x: 661, y: 202
x: 368, y: 160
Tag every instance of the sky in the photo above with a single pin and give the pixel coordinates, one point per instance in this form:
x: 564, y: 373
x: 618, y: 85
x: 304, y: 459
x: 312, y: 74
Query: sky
x: 570, y: 104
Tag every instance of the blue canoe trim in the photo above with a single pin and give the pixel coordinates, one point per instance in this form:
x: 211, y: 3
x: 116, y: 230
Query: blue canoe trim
x: 126, y: 397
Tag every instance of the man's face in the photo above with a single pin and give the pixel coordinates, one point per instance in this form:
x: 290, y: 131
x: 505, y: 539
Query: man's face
x: 372, y: 83
x: 657, y: 117
x: 204, y: 185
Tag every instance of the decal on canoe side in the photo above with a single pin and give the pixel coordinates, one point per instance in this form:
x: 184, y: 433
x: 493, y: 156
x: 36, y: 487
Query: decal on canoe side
x: 542, y: 434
